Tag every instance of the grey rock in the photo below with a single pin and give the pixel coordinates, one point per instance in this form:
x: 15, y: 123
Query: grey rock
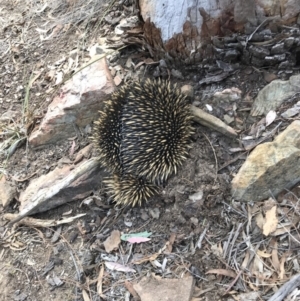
x: 273, y: 95
x: 231, y: 55
x: 259, y: 62
x: 278, y: 49
x: 289, y: 42
x: 61, y: 186
x: 284, y: 65
x: 259, y: 52
x: 275, y: 59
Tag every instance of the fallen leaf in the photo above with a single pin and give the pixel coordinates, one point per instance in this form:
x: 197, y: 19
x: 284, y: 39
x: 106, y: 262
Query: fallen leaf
x: 271, y: 116
x: 131, y: 290
x: 223, y: 272
x: 118, y: 267
x: 275, y: 259
x: 282, y: 262
x: 125, y: 237
x: 170, y: 243
x: 282, y: 230
x: 112, y: 242
x: 260, y: 220
x: 263, y: 254
x: 138, y: 240
x: 72, y: 149
x: 257, y: 267
x: 85, y: 295
x: 146, y: 258
x: 271, y: 221
x: 100, y: 282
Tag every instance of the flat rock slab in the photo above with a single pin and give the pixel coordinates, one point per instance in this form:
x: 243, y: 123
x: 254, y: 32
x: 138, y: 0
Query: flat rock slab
x: 156, y: 289
x: 270, y: 168
x: 60, y: 186
x: 76, y: 105
x: 274, y: 94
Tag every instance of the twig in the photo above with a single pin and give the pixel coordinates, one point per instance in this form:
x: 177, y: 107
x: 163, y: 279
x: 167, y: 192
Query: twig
x: 199, y: 242
x: 212, y: 122
x: 259, y: 26
x: 233, y: 282
x: 286, y: 288
x: 216, y: 159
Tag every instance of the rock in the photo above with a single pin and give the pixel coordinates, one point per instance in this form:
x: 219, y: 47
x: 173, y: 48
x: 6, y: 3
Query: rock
x: 77, y: 189
x: 274, y: 94
x: 231, y: 55
x: 285, y: 65
x: 197, y: 196
x: 270, y: 168
x: 156, y: 289
x: 290, y: 112
x: 289, y: 42
x: 278, y: 49
x: 259, y: 52
x: 275, y: 59
x: 227, y: 95
x: 8, y: 192
x: 259, y: 62
x: 187, y: 90
x: 177, y: 74
x: 244, y: 11
x: 76, y: 105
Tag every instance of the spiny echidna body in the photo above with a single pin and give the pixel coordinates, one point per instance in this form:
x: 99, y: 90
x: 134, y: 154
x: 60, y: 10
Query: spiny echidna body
x: 156, y: 130
x: 130, y: 190
x: 143, y: 138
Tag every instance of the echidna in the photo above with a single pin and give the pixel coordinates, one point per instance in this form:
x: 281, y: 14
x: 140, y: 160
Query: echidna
x: 143, y: 138
x: 130, y: 190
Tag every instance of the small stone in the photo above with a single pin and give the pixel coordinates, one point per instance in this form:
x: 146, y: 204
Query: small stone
x: 270, y: 60
x: 259, y: 52
x: 196, y: 196
x: 289, y: 42
x: 144, y: 215
x: 8, y: 191
x: 217, y: 42
x: 258, y: 62
x: 280, y: 57
x: 231, y: 55
x: 194, y: 221
x: 117, y: 80
x: 228, y: 95
x: 188, y: 90
x: 163, y: 64
x: 154, y: 213
x: 284, y: 65
x: 177, y: 74
x: 278, y: 49
x: 228, y: 119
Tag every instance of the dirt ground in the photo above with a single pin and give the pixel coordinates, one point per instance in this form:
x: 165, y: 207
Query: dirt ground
x: 64, y: 262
